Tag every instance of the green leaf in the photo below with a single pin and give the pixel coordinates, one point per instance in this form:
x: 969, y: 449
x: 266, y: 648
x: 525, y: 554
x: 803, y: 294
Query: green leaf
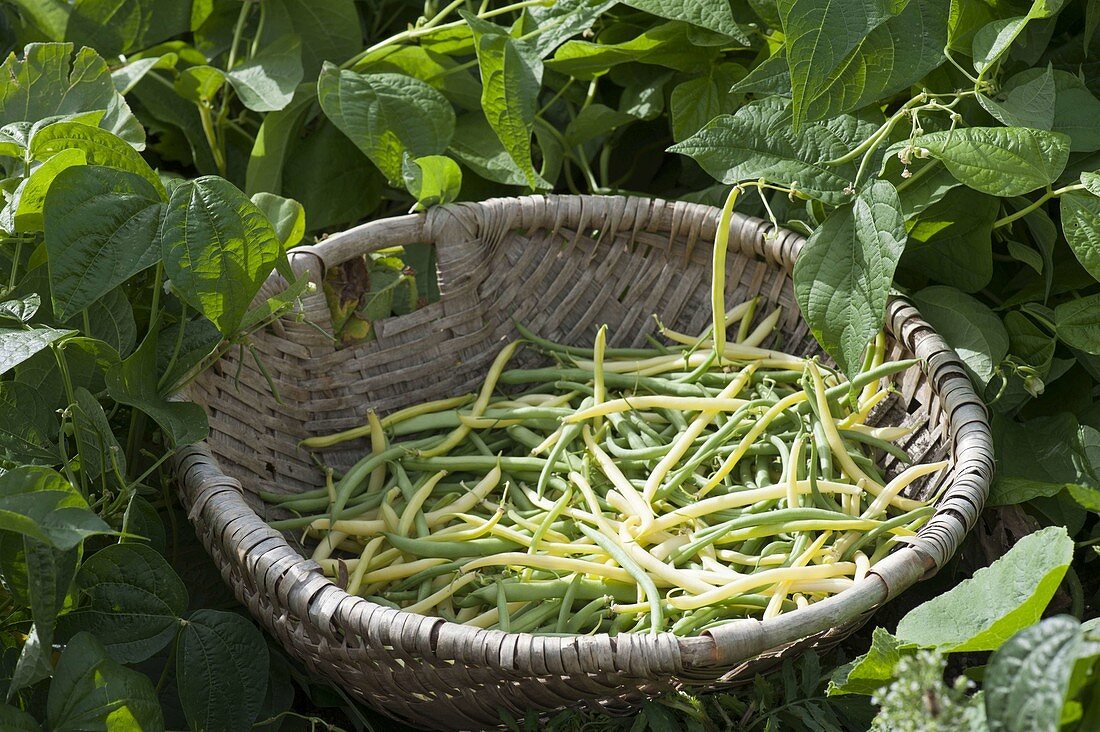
x: 30, y: 197
x: 842, y: 288
x: 97, y: 441
x: 871, y: 671
x: 199, y: 84
x: 49, y: 81
x: 697, y: 101
x: 713, y: 15
x: 564, y: 19
x: 918, y: 193
x: 757, y: 142
x: 440, y: 72
x: 387, y: 115
x: 1081, y: 224
x: 125, y: 78
x: 667, y: 45
x: 1087, y: 498
x: 218, y: 249
x: 992, y: 40
x: 266, y: 82
x: 22, y: 309
x: 16, y: 346
x: 1091, y: 181
x: 101, y: 229
x: 16, y: 720
x: 40, y: 504
x: 134, y: 382
x: 221, y: 670
x: 1007, y: 491
x: 273, y: 142
x: 432, y: 180
x: 1027, y: 678
x: 594, y: 121
x: 49, y: 575
x: 329, y: 31
x: 121, y: 26
x: 130, y: 599
x: 111, y: 318
x: 200, y: 338
x: 951, y: 241
x: 477, y: 146
x: 1000, y: 161
x: 511, y: 76
x: 981, y: 613
x: 968, y: 326
x: 287, y: 217
x: 894, y: 55
x: 90, y: 691
x: 28, y: 427
x: 99, y: 146
x: 1078, y: 323
x: 1074, y: 111
x: 1025, y: 102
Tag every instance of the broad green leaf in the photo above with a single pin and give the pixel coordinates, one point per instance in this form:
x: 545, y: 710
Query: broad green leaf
x: 842, y: 276
x: 757, y: 142
x: 134, y: 382
x: 564, y: 19
x: 218, y: 248
x: 333, y: 181
x: 16, y: 346
x: 266, y: 82
x: 199, y: 339
x: 273, y: 142
x: 1007, y: 491
x: 1091, y: 181
x: 1000, y: 161
x: 1025, y: 102
x: 329, y: 31
x: 981, y: 613
x: 22, y: 309
x: 30, y: 197
x: 440, y: 72
x: 432, y: 180
x: 387, y: 115
x: 1027, y: 255
x: 286, y: 215
x: 49, y: 575
x: 28, y: 427
x: 87, y: 360
x: 1026, y: 680
x: 38, y: 503
x: 125, y: 78
x: 138, y: 580
x: 199, y: 84
x: 122, y: 26
x: 770, y: 76
x: 49, y: 80
x: 111, y: 318
x: 101, y: 228
x: 713, y: 15
x: 1081, y: 224
x: 993, y: 39
x: 869, y: 672
x: 16, y: 720
x: 511, y: 76
x: 477, y: 146
x: 221, y: 671
x: 819, y: 35
x: 893, y: 56
x: 1087, y: 498
x: 1028, y: 341
x: 950, y: 241
x: 176, y: 116
x: 99, y: 450
x: 1078, y: 323
x: 927, y: 184
x: 697, y: 101
x: 1074, y: 111
x: 90, y: 691
x: 594, y: 121
x: 666, y: 44
x: 99, y: 146
x: 968, y: 326
x: 49, y: 17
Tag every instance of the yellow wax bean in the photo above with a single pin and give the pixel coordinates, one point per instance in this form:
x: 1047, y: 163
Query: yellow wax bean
x: 436, y: 598
x: 775, y: 604
x: 467, y: 501
x: 350, y: 527
x: 762, y: 331
x: 378, y: 444
x: 553, y: 564
x: 403, y: 570
x: 417, y: 501
x: 356, y: 579
x: 713, y: 405
x: 638, y: 506
x: 760, y: 579
x: 328, y: 545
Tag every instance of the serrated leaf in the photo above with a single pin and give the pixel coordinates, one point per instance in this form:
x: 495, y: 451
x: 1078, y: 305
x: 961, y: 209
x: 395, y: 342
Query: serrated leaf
x: 387, y: 115
x: 221, y: 671
x: 511, y: 77
x: 266, y: 82
x: 92, y: 691
x: 757, y: 142
x: 101, y: 229
x: 130, y: 599
x: 218, y: 249
x: 1000, y: 161
x: 968, y: 326
x: 842, y: 276
x: 1081, y: 224
x: 16, y: 346
x: 1078, y: 323
x: 1026, y: 681
x: 981, y: 613
x: 99, y: 147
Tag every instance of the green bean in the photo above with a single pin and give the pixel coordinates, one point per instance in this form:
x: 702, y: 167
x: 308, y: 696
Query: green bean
x: 504, y: 618
x: 538, y: 590
x: 428, y: 574
x: 611, y: 379
x: 552, y: 347
x: 584, y: 616
x: 820, y: 499
x: 886, y: 527
x: 887, y: 447
x: 636, y: 572
x: 451, y: 550
x: 355, y: 477
x: 780, y: 516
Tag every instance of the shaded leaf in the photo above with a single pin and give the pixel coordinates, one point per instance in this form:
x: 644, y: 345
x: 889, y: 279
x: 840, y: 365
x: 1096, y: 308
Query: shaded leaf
x: 266, y: 82
x: 968, y: 326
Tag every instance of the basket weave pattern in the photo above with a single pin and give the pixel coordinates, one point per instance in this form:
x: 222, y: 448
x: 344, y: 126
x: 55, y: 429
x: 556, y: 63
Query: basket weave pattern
x: 562, y: 265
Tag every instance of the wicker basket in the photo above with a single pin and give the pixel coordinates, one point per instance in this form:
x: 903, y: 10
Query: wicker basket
x: 562, y: 265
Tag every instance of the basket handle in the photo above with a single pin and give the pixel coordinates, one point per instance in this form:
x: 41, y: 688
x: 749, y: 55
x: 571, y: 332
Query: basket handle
x: 315, y: 259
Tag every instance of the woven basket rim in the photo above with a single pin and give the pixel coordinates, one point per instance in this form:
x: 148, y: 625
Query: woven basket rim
x: 969, y: 434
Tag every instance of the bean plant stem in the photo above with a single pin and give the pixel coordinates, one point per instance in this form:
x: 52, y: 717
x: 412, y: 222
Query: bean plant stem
x: 1050, y: 193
